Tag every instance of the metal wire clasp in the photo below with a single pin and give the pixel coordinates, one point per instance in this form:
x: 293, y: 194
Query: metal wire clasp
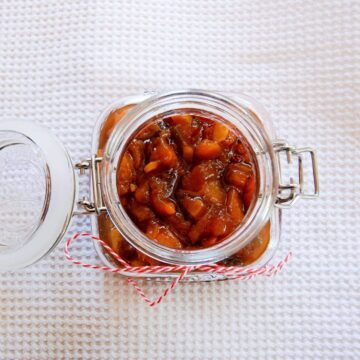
x: 289, y: 193
x: 95, y: 203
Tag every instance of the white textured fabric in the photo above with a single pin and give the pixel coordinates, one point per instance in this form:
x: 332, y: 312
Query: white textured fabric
x: 62, y: 62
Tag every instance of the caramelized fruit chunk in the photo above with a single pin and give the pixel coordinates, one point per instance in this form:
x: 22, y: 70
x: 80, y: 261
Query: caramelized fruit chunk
x: 218, y: 226
x: 207, y: 150
x: 142, y: 193
x: 194, y: 207
x: 220, y: 132
x: 114, y: 239
x: 235, y: 206
x: 243, y: 152
x: 188, y: 133
x: 255, y: 248
x: 194, y: 180
x: 214, y: 192
x: 205, y: 171
x: 140, y: 212
x: 249, y: 192
x: 229, y: 141
x: 163, y: 154
x: 159, y: 197
x: 199, y: 229
x: 148, y: 131
x: 126, y: 174
x: 163, y: 236
x: 110, y: 123
x: 179, y: 225
x: 152, y: 165
x: 184, y: 119
x: 238, y: 174
x: 163, y: 206
x: 136, y: 150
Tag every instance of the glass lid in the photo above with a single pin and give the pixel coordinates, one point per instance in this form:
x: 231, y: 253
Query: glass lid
x: 37, y: 193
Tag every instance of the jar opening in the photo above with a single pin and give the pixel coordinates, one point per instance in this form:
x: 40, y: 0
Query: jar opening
x: 187, y: 179
x: 193, y: 103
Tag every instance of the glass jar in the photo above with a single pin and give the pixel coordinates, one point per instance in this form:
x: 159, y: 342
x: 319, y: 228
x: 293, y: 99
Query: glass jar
x: 58, y: 177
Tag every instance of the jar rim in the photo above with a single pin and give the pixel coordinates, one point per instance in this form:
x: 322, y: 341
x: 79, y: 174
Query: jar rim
x: 239, y: 115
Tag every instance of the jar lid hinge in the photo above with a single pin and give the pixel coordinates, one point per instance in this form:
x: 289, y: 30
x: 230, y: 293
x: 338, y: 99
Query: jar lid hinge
x: 95, y: 203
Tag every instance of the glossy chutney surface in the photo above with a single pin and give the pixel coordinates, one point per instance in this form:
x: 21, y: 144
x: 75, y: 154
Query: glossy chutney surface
x: 186, y: 180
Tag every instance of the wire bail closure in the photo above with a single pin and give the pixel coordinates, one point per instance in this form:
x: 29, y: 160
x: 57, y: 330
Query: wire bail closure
x: 291, y: 192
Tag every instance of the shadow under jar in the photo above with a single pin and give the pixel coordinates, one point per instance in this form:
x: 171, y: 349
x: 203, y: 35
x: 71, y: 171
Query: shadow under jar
x: 190, y: 177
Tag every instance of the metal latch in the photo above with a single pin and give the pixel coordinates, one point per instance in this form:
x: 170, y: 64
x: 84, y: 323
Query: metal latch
x: 289, y: 193
x: 95, y: 203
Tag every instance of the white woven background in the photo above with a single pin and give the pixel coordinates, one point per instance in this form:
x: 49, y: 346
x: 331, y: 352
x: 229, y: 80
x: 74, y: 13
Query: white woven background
x: 62, y: 62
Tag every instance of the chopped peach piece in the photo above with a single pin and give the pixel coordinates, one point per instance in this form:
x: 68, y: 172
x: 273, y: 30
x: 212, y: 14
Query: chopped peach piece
x: 181, y: 119
x: 234, y: 206
x: 255, y: 248
x: 126, y: 174
x: 237, y: 179
x: 163, y: 236
x: 229, y: 141
x: 167, y: 238
x: 200, y: 174
x: 114, y: 239
x: 152, y: 165
x: 238, y: 174
x: 163, y: 206
x: 184, y: 133
x: 152, y: 230
x: 178, y: 224
x: 195, y: 207
x: 220, y: 132
x: 161, y: 187
x: 217, y: 226
x: 214, y: 192
x: 164, y: 153
x: 198, y: 229
x: 243, y: 152
x: 141, y: 212
x: 136, y: 149
x: 195, y: 180
x: 142, y: 193
x: 207, y: 150
x: 148, y: 131
x: 249, y: 192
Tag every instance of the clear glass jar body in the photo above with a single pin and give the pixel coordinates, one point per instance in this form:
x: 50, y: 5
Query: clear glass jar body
x: 250, y: 118
x: 58, y: 177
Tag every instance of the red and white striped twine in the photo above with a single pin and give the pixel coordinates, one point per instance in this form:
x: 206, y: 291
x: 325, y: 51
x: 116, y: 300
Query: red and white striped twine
x: 231, y: 272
